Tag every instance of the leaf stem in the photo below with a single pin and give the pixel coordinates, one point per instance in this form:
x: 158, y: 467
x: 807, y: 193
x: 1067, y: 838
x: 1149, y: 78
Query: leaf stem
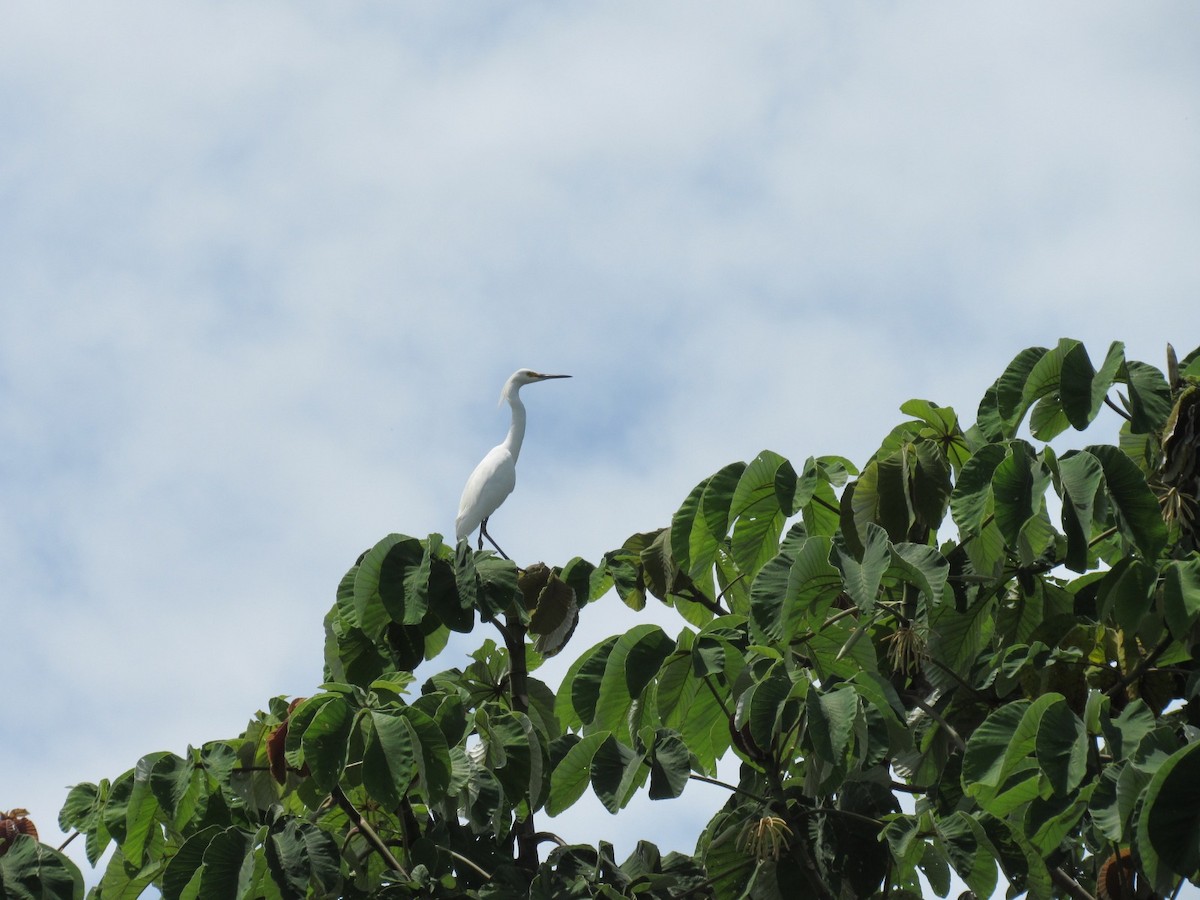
x: 1120, y: 412
x: 729, y: 787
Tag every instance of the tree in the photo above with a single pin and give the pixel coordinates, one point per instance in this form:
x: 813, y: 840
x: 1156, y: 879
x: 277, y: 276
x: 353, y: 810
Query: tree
x: 1004, y: 632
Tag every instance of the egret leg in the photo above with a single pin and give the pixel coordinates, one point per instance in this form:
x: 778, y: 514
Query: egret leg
x: 483, y: 533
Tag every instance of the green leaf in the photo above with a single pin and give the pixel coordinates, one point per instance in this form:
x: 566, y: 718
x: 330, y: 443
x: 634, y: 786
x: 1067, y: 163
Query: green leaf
x: 756, y: 511
x: 1181, y: 595
x: 225, y: 873
x: 986, y: 761
x: 1149, y: 396
x: 1018, y: 484
x: 670, y: 765
x: 1125, y: 593
x: 1168, y: 829
x: 648, y: 648
x: 881, y: 495
x: 862, y: 579
x: 923, y: 566
x: 576, y: 702
x: 432, y: 752
x: 298, y: 854
x: 1139, y: 515
x: 791, y: 585
x: 445, y: 602
x: 380, y: 577
x: 831, y: 718
x: 703, y: 521
x: 1011, y: 396
x: 969, y: 851
x: 569, y: 779
x: 971, y: 501
x: 182, y: 868
x: 1062, y: 748
x: 324, y: 741
x: 1083, y: 389
x: 760, y: 704
x: 388, y: 761
x: 633, y: 660
x: 33, y: 871
x: 1081, y: 475
x: 617, y: 771
x: 140, y: 812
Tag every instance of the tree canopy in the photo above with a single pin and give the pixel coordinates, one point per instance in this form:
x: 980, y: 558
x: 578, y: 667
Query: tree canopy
x: 1004, y: 632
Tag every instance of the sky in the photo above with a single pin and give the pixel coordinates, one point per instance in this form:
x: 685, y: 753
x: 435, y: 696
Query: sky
x: 264, y: 268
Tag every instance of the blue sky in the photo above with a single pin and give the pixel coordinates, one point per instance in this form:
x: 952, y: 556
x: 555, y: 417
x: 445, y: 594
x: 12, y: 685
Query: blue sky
x: 265, y: 267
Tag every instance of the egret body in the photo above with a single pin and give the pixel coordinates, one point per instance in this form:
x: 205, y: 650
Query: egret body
x: 496, y: 475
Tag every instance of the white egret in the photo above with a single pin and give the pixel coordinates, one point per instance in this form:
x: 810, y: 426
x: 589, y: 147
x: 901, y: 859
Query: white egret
x: 496, y: 475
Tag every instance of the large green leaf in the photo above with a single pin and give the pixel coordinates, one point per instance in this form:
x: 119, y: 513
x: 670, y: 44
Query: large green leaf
x: 389, y: 761
x: 33, y: 871
x: 756, y: 511
x: 380, y: 577
x: 759, y: 707
x: 300, y: 854
x: 1010, y: 398
x: 920, y: 565
x: 1081, y: 475
x: 1181, y: 595
x: 1083, y: 389
x: 1168, y: 830
x: 617, y: 771
x: 182, y: 869
x: 141, y: 811
x: 632, y: 662
x: 881, y: 495
x: 1062, y: 747
x: 1018, y: 484
x: 225, y: 873
x: 670, y: 765
x: 971, y: 501
x: 432, y: 752
x: 970, y: 852
x: 324, y: 741
x: 995, y: 752
x: 576, y: 703
x: 791, y: 584
x: 1149, y: 396
x: 831, y: 719
x: 1139, y: 516
x: 862, y: 579
x: 703, y: 521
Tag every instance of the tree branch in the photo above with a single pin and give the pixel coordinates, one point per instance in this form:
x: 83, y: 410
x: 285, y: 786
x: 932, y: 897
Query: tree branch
x: 367, y: 831
x: 1069, y: 884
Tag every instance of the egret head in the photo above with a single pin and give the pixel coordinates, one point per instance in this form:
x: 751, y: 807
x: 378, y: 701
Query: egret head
x: 522, y: 377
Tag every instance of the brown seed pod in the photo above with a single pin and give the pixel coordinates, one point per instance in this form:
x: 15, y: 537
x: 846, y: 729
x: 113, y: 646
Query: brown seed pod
x: 12, y: 823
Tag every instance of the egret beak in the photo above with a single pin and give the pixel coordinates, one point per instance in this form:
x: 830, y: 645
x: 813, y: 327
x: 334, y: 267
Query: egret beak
x: 541, y: 377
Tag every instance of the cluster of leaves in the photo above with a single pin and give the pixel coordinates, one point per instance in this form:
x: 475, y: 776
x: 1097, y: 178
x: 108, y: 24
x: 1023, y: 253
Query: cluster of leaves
x: 1002, y: 632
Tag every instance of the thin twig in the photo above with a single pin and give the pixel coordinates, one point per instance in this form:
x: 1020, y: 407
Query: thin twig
x: 74, y: 834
